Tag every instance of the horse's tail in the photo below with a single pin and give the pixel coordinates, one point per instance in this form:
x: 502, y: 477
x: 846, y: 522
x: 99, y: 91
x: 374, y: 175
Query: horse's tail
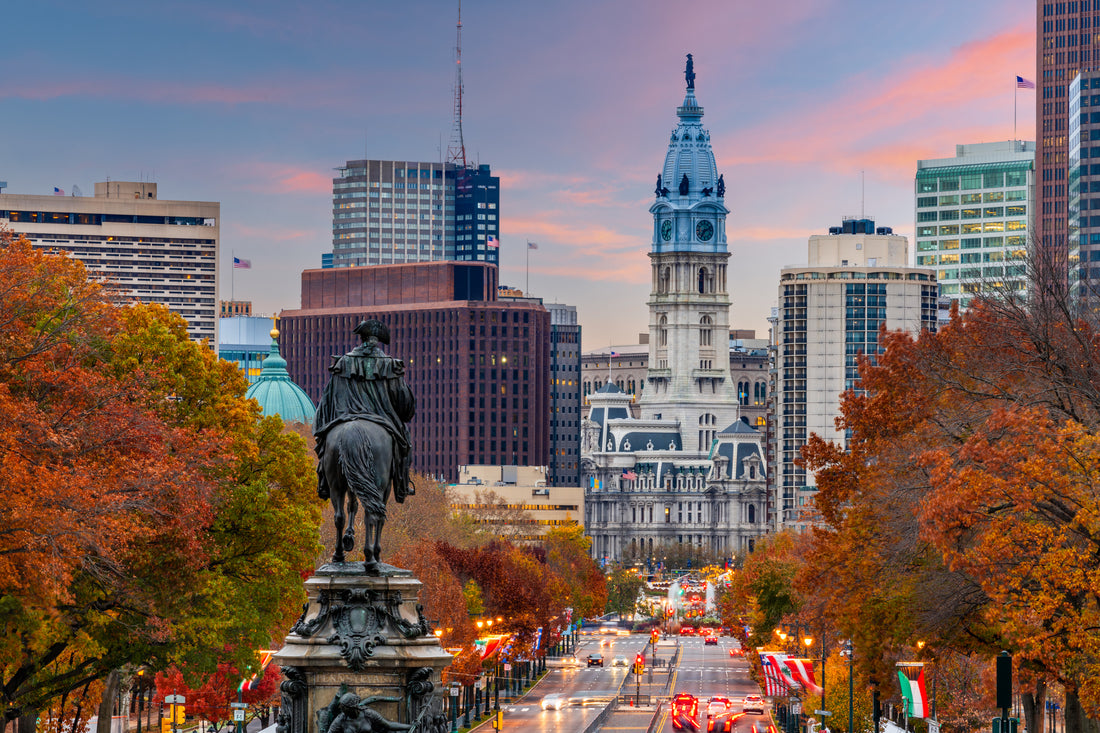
x: 356, y: 459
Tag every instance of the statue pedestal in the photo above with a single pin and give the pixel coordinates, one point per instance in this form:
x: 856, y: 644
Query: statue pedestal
x: 368, y: 634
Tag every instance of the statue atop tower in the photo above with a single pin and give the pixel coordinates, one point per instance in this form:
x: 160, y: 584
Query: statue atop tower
x: 689, y: 73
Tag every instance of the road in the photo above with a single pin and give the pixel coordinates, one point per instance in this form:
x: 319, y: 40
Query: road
x: 710, y: 671
x: 703, y: 671
x: 582, y: 685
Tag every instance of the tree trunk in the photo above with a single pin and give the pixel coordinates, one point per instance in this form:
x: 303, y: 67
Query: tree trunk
x: 1074, y: 719
x: 1034, y: 709
x: 27, y: 722
x: 106, y: 705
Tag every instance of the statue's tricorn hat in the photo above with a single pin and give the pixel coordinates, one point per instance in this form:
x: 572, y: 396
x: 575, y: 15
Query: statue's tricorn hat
x: 373, y: 327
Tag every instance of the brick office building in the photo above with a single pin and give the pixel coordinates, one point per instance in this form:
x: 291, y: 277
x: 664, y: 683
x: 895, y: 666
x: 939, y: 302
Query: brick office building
x: 479, y: 367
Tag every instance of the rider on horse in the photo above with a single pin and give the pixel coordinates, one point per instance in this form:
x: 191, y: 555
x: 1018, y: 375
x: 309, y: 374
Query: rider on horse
x: 366, y: 384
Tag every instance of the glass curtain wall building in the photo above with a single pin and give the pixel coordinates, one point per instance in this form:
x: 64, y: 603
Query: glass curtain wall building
x: 387, y: 212
x: 972, y: 217
x: 1084, y: 183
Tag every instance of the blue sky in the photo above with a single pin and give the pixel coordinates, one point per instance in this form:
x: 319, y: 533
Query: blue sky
x: 254, y: 104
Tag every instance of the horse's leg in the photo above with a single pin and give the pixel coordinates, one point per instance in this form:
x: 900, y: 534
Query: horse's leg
x: 338, y: 520
x: 347, y: 541
x: 378, y: 524
x: 369, y: 541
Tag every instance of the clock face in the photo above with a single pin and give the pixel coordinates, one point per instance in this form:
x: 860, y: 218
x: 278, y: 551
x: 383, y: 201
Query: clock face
x: 666, y: 230
x: 704, y: 230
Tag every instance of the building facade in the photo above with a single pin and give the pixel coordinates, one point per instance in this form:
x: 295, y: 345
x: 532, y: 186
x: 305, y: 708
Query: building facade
x: 1084, y: 184
x: 972, y: 218
x: 479, y: 367
x: 245, y: 341
x: 687, y: 470
x: 516, y: 503
x: 1065, y: 44
x: 565, y: 395
x: 145, y: 249
x: 390, y: 212
x: 856, y: 279
x: 626, y: 367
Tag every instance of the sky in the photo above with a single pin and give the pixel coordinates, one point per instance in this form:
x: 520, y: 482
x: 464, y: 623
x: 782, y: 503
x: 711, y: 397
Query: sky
x: 817, y: 109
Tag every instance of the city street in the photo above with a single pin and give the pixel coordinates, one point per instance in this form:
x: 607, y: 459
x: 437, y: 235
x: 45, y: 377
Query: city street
x: 703, y: 671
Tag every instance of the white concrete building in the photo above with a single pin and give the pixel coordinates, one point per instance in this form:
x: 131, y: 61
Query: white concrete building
x: 148, y: 250
x: 688, y: 470
x: 830, y: 311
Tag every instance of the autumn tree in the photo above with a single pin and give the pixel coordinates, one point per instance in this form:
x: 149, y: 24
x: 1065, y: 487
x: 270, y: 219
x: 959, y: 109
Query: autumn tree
x: 151, y: 514
x: 584, y: 587
x: 963, y: 510
x: 622, y: 591
x: 209, y: 694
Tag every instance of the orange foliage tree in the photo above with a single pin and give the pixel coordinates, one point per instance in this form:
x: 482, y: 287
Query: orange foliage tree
x: 145, y: 498
x: 965, y: 510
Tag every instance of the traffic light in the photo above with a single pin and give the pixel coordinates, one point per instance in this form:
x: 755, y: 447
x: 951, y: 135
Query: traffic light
x: 654, y: 635
x: 498, y: 720
x: 639, y: 664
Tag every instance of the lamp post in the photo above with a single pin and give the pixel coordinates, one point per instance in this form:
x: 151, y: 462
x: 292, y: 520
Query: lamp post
x: 851, y: 656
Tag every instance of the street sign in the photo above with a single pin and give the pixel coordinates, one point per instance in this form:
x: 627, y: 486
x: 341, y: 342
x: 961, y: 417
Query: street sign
x: 507, y: 667
x: 822, y: 712
x: 175, y: 700
x: 238, y: 716
x: 796, y: 707
x: 454, y: 690
x: 933, y: 726
x: 241, y: 705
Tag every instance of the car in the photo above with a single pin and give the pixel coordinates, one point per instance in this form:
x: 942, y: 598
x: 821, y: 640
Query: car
x: 753, y: 704
x: 554, y: 701
x: 622, y: 632
x: 570, y: 662
x: 718, y: 705
x: 737, y: 652
x: 687, y: 631
x: 711, y: 641
x: 685, y: 712
x: 606, y: 642
x: 619, y: 662
x: 595, y: 660
x: 609, y: 630
x: 724, y: 722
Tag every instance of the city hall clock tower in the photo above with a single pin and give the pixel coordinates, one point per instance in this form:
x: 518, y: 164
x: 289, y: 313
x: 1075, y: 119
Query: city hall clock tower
x: 689, y: 371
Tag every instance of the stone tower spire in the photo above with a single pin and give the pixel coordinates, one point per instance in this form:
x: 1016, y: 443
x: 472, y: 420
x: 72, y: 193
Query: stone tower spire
x: 689, y: 375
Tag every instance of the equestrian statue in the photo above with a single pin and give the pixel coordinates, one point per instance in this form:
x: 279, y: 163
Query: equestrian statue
x: 363, y: 440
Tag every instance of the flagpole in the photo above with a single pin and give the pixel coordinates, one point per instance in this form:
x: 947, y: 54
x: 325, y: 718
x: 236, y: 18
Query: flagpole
x: 1015, y: 90
x: 528, y: 291
x: 232, y: 273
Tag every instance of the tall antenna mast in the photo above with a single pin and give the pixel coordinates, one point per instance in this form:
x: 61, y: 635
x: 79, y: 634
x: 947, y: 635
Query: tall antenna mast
x: 456, y: 148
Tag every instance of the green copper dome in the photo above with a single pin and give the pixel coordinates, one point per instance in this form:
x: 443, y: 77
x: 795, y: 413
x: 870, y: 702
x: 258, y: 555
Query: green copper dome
x: 275, y: 392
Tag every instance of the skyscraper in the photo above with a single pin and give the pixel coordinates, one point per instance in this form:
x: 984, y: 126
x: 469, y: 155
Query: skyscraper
x: 387, y: 212
x: 1064, y: 44
x: 830, y: 311
x: 479, y: 367
x: 150, y: 250
x: 972, y: 214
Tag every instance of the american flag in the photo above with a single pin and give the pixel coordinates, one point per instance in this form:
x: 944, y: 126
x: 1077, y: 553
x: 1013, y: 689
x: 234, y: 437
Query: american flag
x: 240, y: 264
x: 1022, y: 83
x: 58, y: 191
x: 492, y: 241
x: 630, y: 476
x: 532, y: 245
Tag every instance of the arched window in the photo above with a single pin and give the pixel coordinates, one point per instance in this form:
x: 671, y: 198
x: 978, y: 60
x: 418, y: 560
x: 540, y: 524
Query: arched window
x: 705, y: 324
x: 630, y: 386
x: 752, y: 514
x: 702, y: 279
x: 619, y: 383
x: 664, y: 280
x: 760, y: 393
x: 743, y: 393
x: 752, y: 545
x: 662, y: 331
x: 587, y: 388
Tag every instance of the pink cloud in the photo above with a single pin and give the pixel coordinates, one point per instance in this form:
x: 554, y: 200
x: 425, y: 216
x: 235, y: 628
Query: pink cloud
x: 889, y: 122
x: 276, y: 234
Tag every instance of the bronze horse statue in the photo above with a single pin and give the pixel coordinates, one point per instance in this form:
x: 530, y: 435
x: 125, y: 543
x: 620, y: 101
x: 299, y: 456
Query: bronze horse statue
x: 357, y: 466
x: 363, y: 441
